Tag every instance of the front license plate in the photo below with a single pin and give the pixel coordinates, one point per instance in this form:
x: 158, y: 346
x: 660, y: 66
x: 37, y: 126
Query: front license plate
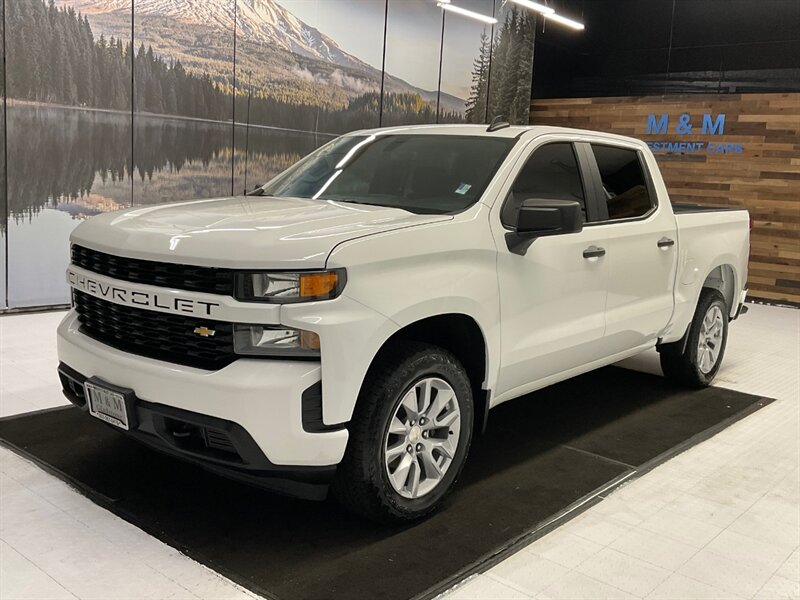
x: 107, y: 405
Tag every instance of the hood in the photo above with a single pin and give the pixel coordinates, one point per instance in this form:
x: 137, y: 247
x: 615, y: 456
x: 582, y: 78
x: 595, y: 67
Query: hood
x: 242, y: 231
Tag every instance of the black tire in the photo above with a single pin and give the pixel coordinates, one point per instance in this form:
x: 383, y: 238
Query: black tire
x: 362, y: 484
x: 679, y: 360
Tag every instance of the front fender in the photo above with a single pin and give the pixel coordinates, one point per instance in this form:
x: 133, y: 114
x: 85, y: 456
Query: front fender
x: 350, y: 335
x: 487, y: 323
x: 396, y: 279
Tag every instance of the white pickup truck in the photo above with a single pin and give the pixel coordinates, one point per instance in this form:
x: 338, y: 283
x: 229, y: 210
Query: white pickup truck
x: 350, y: 323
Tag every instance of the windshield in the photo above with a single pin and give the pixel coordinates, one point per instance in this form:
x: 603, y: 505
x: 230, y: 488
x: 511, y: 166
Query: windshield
x: 418, y: 173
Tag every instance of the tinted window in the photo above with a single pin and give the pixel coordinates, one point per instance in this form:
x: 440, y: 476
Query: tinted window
x: 624, y: 185
x: 551, y: 173
x: 418, y: 173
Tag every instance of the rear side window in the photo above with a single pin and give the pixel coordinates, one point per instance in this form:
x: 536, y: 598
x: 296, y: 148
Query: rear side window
x: 624, y: 185
x: 551, y: 173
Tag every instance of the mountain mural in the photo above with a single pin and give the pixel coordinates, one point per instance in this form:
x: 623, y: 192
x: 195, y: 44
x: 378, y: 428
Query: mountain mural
x: 81, y: 139
x: 277, y: 53
x: 258, y: 20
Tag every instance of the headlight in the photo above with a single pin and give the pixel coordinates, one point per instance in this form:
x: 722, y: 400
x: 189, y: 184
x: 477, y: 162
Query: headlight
x: 268, y: 340
x: 283, y: 288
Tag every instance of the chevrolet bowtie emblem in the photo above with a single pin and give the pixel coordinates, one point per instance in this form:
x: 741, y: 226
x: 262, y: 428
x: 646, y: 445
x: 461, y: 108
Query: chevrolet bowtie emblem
x: 204, y: 331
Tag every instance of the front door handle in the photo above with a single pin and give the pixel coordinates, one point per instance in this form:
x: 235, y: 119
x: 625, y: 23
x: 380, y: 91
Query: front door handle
x: 665, y: 243
x: 594, y: 252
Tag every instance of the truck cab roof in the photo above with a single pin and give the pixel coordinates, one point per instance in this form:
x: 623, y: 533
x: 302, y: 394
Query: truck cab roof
x: 512, y: 131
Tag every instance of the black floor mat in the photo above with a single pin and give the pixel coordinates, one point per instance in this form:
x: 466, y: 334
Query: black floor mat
x: 539, y: 455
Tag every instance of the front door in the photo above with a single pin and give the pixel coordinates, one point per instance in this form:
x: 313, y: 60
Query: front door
x: 553, y: 290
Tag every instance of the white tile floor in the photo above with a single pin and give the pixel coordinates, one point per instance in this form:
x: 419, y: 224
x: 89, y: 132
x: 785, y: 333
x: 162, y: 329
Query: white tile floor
x: 719, y: 521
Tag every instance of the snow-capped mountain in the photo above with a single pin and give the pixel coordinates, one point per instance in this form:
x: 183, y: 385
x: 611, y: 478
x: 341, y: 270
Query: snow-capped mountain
x: 263, y: 21
x: 268, y: 21
x: 276, y: 45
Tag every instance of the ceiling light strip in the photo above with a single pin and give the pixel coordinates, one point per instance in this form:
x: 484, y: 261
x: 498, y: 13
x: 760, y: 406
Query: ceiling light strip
x: 466, y: 13
x: 564, y: 21
x: 541, y: 8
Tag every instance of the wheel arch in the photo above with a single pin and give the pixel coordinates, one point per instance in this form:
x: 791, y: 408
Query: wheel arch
x: 723, y: 279
x: 461, y: 335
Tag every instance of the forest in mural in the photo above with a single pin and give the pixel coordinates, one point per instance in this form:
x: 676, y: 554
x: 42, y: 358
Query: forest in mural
x: 502, y: 72
x: 58, y: 60
x: 61, y: 61
x: 112, y: 104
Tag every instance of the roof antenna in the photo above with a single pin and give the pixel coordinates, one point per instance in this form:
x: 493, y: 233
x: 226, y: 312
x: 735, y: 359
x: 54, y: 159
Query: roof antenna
x: 498, y: 124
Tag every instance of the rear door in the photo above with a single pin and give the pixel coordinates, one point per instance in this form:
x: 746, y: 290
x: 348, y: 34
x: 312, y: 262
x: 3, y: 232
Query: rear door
x: 552, y: 289
x: 642, y: 250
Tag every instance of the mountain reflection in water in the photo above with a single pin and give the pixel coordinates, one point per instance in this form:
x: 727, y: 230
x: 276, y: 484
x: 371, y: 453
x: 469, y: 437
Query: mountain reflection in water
x: 78, y: 162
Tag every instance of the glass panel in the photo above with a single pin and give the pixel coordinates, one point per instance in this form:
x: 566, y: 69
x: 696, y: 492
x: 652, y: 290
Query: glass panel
x: 413, y: 40
x: 551, y: 173
x: 512, y: 64
x: 68, y: 136
x: 302, y: 77
x: 465, y: 64
x: 623, y: 182
x: 183, y: 98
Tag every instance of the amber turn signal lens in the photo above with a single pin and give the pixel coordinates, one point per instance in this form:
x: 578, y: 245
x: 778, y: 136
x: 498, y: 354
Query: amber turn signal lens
x: 318, y: 285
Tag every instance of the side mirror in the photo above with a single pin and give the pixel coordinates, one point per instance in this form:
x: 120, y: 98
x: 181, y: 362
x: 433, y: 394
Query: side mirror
x: 539, y: 218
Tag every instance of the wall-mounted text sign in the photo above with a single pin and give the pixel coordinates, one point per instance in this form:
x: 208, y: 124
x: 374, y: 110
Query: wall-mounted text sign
x: 711, y: 125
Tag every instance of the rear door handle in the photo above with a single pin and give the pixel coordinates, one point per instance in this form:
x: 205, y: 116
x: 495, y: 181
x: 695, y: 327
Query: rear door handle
x: 665, y: 242
x: 594, y: 252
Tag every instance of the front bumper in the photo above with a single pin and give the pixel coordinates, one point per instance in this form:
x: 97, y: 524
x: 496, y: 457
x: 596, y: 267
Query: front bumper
x: 263, y: 398
x: 220, y: 446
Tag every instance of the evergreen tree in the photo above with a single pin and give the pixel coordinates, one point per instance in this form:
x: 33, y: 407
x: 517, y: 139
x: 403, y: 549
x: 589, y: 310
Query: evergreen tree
x: 524, y: 72
x: 479, y: 91
x: 507, y: 88
x: 511, y: 70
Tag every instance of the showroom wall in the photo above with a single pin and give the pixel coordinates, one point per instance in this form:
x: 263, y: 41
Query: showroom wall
x: 111, y: 103
x: 713, y: 86
x: 635, y: 48
x: 750, y: 157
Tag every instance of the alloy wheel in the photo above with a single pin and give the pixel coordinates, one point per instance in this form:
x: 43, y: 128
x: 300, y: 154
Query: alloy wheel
x: 709, y: 344
x: 422, y: 438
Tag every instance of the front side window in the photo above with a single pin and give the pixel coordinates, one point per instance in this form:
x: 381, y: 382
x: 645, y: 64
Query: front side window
x: 551, y: 173
x: 418, y: 173
x: 624, y: 185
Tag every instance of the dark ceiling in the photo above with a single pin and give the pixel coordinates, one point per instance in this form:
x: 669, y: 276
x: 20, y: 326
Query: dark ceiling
x: 639, y: 47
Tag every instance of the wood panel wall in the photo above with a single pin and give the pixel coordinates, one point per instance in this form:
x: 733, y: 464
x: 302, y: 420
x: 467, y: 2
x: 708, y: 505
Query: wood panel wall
x: 764, y: 178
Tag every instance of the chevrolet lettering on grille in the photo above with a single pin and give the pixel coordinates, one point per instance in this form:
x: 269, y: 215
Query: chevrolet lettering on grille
x: 140, y: 298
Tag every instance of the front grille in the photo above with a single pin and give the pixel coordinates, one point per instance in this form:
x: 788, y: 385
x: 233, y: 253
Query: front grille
x: 154, y: 334
x: 211, y: 280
